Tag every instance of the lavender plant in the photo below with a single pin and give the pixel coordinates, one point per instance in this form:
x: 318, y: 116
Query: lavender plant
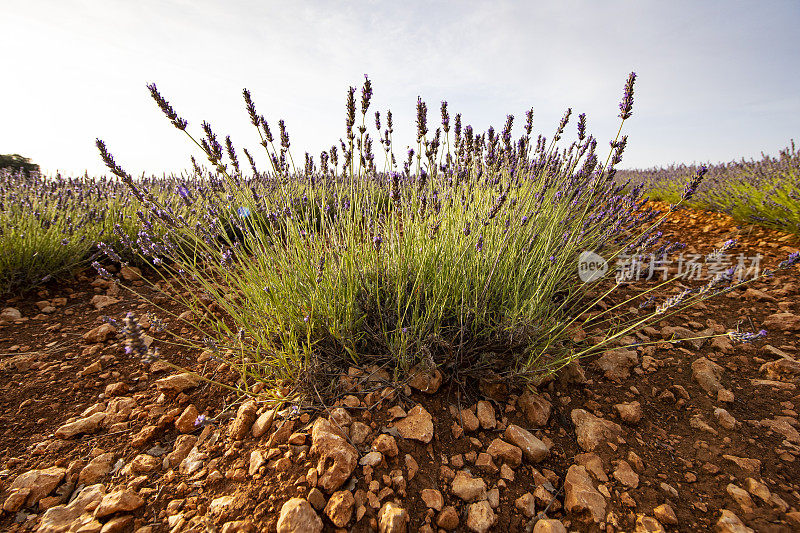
x: 764, y: 192
x: 468, y: 262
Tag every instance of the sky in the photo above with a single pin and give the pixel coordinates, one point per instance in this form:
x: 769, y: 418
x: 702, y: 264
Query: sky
x: 716, y: 80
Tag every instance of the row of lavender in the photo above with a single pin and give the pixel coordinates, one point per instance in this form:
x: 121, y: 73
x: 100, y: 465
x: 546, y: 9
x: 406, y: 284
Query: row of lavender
x: 464, y: 257
x: 764, y: 192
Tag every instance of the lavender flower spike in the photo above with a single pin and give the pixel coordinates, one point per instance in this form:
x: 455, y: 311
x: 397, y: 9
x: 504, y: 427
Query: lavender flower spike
x: 746, y: 337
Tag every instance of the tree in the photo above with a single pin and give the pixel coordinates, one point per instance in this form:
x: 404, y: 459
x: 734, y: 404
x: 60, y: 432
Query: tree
x: 17, y: 163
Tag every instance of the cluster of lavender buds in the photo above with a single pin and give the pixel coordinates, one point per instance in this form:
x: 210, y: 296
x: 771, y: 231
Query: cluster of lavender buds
x: 672, y: 301
x: 736, y: 336
x: 134, y: 340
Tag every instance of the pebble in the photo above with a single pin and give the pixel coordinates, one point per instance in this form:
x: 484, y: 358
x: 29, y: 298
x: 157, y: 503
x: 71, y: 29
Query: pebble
x: 298, y: 516
x: 418, y: 425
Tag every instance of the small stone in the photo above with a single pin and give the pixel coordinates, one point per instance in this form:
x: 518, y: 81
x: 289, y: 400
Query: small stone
x: 263, y: 423
x: 392, y: 518
x: 297, y: 516
x: 730, y: 523
x: 549, y: 525
x: 532, y: 448
x: 485, y: 414
x: 707, y: 374
x: 418, y: 425
x: 648, y: 524
x: 433, y: 499
x: 101, y: 333
x: 580, y: 495
x: 630, y: 413
x: 509, y: 453
x: 116, y: 502
x: 386, y: 444
x: 592, y: 430
x: 183, y: 445
x: 480, y: 517
x: 756, y: 488
x: 783, y: 322
x: 448, y: 518
x: 96, y: 469
x: 359, y: 432
x: 316, y: 499
x: 257, y: 460
x: 101, y: 301
x: 741, y: 497
x: 144, y: 464
x: 340, y: 507
x: 372, y: 459
x: 40, y: 482
x: 337, y: 457
x: 467, y: 487
x: 724, y: 418
x: 526, y: 504
x: 751, y: 466
x: 186, y: 422
x: 468, y: 420
x: 425, y: 379
x: 535, y: 407
x: 89, y: 424
x: 178, y: 382
x: 243, y: 423
x: 665, y: 514
x: 616, y: 364
x: 625, y: 475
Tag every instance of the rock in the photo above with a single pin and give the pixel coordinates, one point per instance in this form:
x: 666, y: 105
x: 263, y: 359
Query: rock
x: 40, y: 482
x: 782, y: 370
x: 648, y: 524
x: 630, y: 413
x: 741, y: 497
x: 193, y: 462
x: 467, y: 487
x: 340, y: 507
x: 359, y: 432
x: 186, y: 422
x: 448, y: 518
x: 616, y: 364
x: 101, y: 333
x: 580, y: 496
x: 510, y: 454
x: 90, y: 424
x: 257, y: 460
x: 144, y: 464
x: 724, y: 418
x: 337, y: 457
x: 178, y: 382
x: 101, y: 301
x: 62, y: 518
x: 16, y: 499
x: 373, y: 459
x: 236, y: 526
x: 468, y: 420
x: 549, y: 525
x: 756, y: 488
x: 418, y: 425
x: 480, y: 517
x: 263, y: 423
x: 316, y: 498
x: 729, y: 523
x: 433, y: 499
x: 386, y: 445
x: 752, y: 466
x: 485, y: 413
x: 592, y: 430
x: 783, y: 322
x: 392, y: 518
x: 425, y: 379
x: 116, y: 502
x: 526, y: 504
x: 96, y: 469
x: 593, y: 464
x: 707, y: 374
x: 625, y: 475
x: 665, y: 514
x: 10, y: 314
x: 535, y: 407
x: 243, y: 423
x: 297, y: 516
x: 411, y: 466
x: 532, y: 448
x: 183, y: 446
x: 118, y: 524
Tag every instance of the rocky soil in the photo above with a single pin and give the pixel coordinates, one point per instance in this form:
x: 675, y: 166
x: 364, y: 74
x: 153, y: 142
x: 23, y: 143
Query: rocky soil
x: 688, y: 436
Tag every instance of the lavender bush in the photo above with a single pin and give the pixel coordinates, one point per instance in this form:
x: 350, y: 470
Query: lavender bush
x: 764, y: 192
x: 464, y: 258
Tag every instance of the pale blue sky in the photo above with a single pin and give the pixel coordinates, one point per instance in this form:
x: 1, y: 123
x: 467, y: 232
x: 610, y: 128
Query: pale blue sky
x: 717, y: 80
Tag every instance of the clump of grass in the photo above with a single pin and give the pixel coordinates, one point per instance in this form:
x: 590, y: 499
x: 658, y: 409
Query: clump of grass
x: 467, y: 263
x: 764, y: 192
